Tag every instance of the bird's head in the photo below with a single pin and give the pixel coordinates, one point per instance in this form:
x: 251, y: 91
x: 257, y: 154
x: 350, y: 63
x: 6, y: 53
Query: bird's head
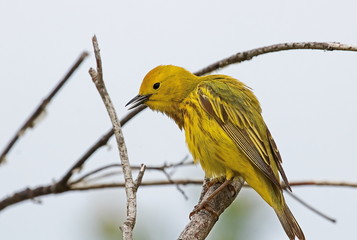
x: 164, y: 87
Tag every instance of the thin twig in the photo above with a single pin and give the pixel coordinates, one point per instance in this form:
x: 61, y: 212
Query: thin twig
x: 248, y: 55
x: 31, y: 121
x: 143, y: 184
x: 82, y: 178
x: 161, y: 168
x: 177, y: 185
x: 96, y: 179
x: 130, y: 188
x: 311, y: 208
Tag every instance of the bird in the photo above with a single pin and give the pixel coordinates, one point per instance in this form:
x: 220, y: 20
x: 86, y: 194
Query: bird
x: 224, y: 130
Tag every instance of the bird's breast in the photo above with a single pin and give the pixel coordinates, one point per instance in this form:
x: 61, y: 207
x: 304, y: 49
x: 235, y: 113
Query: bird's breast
x: 207, y: 142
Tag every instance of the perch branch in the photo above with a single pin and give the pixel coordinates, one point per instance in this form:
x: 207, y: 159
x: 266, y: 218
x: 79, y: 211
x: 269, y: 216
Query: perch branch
x: 203, y: 221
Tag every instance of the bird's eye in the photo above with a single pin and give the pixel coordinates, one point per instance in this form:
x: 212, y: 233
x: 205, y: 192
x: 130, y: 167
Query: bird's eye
x: 156, y: 85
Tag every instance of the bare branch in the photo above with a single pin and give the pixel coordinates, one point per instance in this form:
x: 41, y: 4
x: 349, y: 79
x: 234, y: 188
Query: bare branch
x: 31, y: 121
x: 248, y: 55
x: 31, y: 193
x: 130, y: 187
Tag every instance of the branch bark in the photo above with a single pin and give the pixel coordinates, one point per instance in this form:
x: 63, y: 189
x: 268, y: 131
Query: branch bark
x: 203, y: 221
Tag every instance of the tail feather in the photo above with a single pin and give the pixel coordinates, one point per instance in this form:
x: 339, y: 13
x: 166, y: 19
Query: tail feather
x: 290, y: 224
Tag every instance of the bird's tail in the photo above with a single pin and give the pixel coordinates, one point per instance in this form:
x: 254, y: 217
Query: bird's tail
x: 289, y: 223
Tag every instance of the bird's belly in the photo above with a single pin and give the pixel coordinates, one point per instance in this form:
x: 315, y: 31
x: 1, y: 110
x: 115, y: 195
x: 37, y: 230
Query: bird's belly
x: 214, y: 150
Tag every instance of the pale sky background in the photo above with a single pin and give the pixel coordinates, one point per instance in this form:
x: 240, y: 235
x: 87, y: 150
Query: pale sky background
x: 308, y: 97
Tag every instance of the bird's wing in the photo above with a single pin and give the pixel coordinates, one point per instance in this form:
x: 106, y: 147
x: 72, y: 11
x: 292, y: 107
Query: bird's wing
x: 238, y: 112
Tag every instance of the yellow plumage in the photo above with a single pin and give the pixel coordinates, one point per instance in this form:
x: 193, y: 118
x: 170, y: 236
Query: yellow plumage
x: 224, y: 131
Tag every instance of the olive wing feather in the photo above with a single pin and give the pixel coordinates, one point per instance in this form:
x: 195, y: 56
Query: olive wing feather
x: 237, y: 111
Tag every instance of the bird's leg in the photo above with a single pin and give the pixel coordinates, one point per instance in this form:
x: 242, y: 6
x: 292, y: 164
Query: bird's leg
x: 204, y: 203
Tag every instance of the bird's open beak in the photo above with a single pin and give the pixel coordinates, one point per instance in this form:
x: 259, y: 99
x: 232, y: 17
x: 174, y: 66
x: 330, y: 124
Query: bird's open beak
x: 138, y: 100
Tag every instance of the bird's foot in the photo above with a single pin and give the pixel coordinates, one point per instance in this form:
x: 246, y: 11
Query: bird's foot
x: 204, y: 205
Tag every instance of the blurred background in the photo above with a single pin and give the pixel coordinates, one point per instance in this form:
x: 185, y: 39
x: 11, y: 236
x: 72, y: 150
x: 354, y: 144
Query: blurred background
x: 308, y: 100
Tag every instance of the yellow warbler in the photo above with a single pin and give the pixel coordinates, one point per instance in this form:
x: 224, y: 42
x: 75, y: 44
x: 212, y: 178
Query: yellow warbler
x: 224, y: 131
